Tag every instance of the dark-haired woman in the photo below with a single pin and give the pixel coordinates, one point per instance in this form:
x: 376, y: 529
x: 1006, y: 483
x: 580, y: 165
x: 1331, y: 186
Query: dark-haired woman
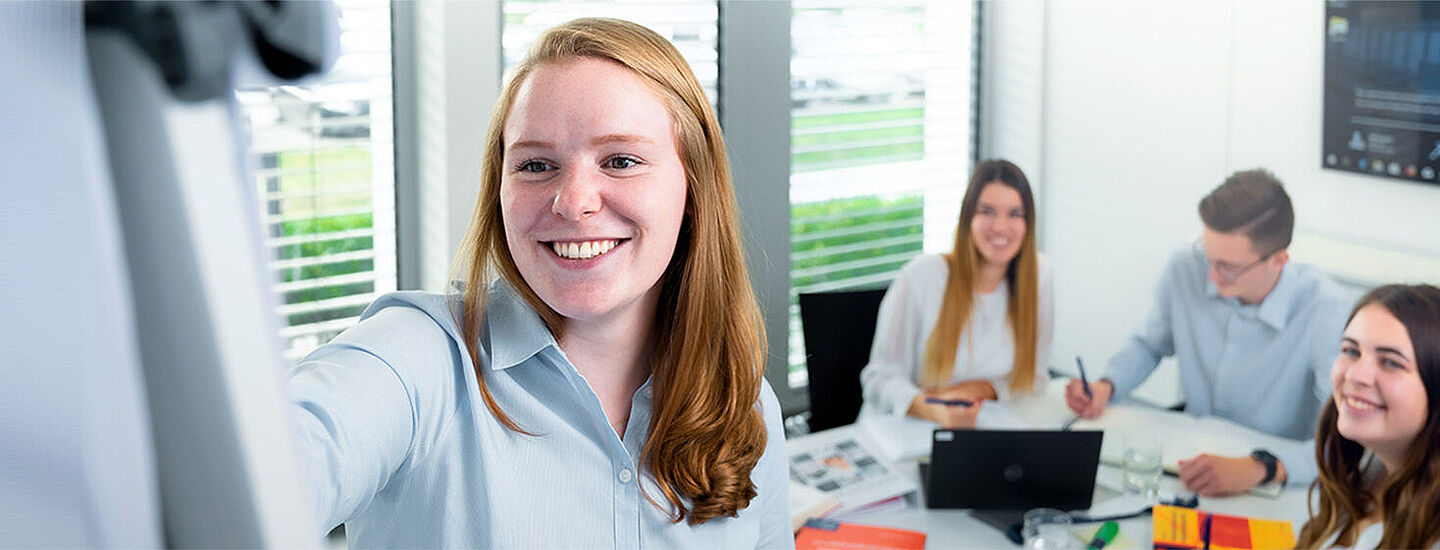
x: 1378, y: 444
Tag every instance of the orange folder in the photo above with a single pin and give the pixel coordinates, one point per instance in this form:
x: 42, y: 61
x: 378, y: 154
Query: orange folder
x: 827, y: 534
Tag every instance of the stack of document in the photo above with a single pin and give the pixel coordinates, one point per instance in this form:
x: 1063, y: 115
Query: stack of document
x: 902, y: 438
x: 840, y: 464
x: 898, y: 438
x: 808, y: 502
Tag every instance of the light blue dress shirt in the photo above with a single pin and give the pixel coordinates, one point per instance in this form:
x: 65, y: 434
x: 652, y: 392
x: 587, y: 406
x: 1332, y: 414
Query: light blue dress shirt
x: 401, y: 448
x: 1264, y: 365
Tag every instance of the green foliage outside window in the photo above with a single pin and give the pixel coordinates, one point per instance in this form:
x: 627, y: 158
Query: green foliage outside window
x: 309, y: 179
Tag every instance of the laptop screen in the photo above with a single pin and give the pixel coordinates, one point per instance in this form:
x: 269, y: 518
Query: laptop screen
x: 1012, y: 470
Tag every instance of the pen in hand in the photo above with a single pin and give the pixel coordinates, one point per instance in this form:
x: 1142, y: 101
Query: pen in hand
x: 1084, y: 382
x: 950, y: 402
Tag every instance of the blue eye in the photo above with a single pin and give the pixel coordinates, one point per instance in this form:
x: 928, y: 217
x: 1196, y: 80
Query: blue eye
x: 533, y: 166
x: 621, y: 163
x: 1392, y: 364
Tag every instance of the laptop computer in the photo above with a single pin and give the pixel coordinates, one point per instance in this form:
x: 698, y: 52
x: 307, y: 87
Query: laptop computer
x: 1012, y: 470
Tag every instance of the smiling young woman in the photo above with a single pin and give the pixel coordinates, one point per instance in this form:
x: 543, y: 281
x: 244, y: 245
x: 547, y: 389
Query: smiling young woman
x: 973, y: 324
x: 598, y: 365
x: 637, y: 157
x: 1378, y: 444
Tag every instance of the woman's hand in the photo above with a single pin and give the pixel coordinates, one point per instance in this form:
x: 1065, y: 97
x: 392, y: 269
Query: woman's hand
x: 947, y: 416
x: 953, y: 416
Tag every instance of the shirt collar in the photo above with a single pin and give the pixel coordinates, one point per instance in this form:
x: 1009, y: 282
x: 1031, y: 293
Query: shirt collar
x: 1274, y: 309
x: 515, y: 329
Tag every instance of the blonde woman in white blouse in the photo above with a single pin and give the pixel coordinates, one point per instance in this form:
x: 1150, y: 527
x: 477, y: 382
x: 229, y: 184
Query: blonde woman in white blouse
x: 972, y: 324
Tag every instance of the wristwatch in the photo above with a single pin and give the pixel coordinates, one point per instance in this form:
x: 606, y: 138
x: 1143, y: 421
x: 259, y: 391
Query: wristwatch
x: 1264, y: 457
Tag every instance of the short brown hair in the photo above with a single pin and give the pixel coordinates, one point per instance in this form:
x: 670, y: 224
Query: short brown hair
x: 1253, y: 202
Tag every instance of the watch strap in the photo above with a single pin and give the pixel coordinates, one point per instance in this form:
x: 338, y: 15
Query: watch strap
x: 1269, y: 461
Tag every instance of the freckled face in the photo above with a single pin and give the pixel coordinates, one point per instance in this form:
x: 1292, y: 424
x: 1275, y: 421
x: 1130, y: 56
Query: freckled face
x: 998, y: 228
x: 593, y: 190
x: 1378, y: 392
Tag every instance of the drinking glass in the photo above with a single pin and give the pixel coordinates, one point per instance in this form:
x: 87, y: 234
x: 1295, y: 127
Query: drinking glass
x: 1142, y: 464
x: 1048, y: 529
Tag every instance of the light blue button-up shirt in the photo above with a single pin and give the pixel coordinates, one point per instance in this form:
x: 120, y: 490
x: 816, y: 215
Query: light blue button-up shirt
x: 401, y: 448
x: 1264, y: 365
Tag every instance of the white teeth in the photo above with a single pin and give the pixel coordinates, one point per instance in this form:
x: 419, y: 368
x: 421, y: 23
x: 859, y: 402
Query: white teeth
x: 584, y: 250
x: 1358, y: 404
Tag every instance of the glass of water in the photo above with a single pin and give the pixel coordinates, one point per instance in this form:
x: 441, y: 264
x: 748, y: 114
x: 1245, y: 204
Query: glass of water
x: 1142, y: 463
x: 1048, y: 529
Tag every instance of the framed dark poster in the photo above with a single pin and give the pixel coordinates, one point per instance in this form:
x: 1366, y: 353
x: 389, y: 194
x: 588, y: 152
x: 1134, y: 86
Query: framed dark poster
x: 1382, y: 89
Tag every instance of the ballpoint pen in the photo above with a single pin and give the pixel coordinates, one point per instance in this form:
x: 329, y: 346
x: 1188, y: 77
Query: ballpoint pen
x: 950, y: 402
x: 1084, y: 382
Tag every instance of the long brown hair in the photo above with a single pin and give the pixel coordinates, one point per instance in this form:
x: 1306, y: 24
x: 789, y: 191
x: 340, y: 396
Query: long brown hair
x: 706, y: 433
x: 964, y: 261
x: 1409, y: 498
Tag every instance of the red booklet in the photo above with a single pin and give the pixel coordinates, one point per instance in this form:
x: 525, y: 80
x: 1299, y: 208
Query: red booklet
x: 828, y: 534
x: 1183, y: 528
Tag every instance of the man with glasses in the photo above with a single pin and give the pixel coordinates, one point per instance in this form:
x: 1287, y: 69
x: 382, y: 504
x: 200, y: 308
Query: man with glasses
x: 1254, y: 334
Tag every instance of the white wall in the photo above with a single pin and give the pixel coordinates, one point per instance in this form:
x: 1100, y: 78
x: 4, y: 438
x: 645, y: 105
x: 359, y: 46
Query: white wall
x: 1147, y: 106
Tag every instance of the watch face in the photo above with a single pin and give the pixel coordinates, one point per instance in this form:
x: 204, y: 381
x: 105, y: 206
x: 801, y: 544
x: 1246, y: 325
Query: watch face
x: 1269, y: 460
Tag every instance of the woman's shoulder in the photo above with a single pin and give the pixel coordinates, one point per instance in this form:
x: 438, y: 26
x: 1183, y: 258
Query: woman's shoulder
x: 768, y: 402
x: 926, y: 267
x: 927, y: 261
x: 415, y: 309
x: 922, y: 275
x: 411, y: 332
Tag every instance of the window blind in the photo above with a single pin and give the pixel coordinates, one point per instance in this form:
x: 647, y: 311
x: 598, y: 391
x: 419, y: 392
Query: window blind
x: 691, y: 25
x: 882, y: 129
x: 323, y: 158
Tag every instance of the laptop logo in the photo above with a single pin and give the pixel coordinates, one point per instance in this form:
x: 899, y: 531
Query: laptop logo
x: 941, y: 435
x: 1013, y: 473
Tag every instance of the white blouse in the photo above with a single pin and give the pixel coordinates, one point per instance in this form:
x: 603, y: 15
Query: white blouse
x: 986, y: 349
x: 1367, y: 539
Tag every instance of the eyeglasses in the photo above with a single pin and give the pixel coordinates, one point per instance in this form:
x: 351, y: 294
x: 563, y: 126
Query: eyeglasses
x: 1228, y: 272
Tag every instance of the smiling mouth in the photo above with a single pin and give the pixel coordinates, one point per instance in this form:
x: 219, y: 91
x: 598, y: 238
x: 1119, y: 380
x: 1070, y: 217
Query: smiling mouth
x: 583, y: 250
x: 999, y: 242
x: 1362, y: 405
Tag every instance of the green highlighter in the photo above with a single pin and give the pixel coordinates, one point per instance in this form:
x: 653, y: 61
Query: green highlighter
x: 1104, y: 535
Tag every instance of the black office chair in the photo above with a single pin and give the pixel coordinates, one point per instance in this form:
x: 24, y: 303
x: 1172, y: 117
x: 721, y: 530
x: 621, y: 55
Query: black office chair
x: 839, y: 328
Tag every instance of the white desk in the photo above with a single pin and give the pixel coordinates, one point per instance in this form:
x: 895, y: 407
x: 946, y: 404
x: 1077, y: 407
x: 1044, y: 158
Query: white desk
x: 959, y: 529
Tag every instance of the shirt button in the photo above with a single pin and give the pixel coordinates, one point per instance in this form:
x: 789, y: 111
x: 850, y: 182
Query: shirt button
x: 648, y: 393
x: 626, y: 475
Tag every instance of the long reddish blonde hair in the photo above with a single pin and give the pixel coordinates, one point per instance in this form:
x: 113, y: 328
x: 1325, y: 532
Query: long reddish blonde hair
x: 1023, y: 310
x: 706, y: 433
